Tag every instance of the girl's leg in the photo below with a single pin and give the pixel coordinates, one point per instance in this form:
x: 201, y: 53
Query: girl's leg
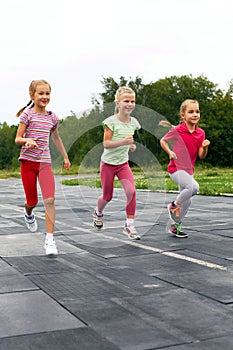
x: 107, y: 174
x: 29, y: 172
x: 49, y: 214
x: 126, y: 178
x: 47, y: 185
x: 188, y: 188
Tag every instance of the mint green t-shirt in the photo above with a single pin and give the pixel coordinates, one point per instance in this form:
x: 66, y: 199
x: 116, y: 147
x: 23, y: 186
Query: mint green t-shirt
x: 118, y: 155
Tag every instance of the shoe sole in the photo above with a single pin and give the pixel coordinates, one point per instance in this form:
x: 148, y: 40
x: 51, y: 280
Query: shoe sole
x: 178, y: 236
x: 51, y: 255
x: 98, y: 228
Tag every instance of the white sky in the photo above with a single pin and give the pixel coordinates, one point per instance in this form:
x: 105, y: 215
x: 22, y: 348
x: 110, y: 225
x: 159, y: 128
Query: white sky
x: 74, y: 44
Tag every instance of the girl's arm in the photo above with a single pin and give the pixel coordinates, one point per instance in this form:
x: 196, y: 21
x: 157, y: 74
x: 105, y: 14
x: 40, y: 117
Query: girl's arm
x: 166, y: 148
x: 109, y: 143
x: 20, y: 140
x: 59, y: 144
x: 203, y: 150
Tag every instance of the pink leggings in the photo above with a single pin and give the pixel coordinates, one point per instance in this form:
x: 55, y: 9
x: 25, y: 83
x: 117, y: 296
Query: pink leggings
x: 30, y: 172
x: 125, y: 176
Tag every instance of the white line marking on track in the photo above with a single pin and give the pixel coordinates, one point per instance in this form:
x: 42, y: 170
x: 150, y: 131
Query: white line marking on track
x: 196, y: 261
x: 160, y: 251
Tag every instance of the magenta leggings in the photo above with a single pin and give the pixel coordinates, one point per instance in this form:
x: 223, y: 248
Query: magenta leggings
x: 125, y: 176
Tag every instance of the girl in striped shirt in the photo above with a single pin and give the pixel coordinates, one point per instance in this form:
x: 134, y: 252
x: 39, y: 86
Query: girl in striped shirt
x: 35, y: 126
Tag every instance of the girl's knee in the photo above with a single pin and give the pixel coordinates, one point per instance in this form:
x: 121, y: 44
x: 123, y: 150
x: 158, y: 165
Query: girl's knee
x: 132, y: 191
x: 195, y: 189
x: 30, y: 206
x: 107, y: 199
x: 131, y: 194
x: 49, y: 202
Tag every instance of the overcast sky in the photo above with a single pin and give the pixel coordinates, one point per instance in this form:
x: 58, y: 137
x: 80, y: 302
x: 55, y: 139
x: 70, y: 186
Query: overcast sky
x: 74, y: 44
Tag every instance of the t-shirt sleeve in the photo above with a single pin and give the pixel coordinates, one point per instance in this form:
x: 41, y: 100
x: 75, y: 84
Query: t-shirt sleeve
x: 137, y: 124
x: 109, y: 122
x: 24, y: 118
x: 170, y: 135
x: 55, y: 122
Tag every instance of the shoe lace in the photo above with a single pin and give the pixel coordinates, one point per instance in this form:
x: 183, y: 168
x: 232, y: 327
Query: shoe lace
x: 50, y: 242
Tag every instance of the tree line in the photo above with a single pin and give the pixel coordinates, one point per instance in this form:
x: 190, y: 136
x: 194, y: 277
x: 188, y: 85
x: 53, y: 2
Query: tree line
x: 83, y: 135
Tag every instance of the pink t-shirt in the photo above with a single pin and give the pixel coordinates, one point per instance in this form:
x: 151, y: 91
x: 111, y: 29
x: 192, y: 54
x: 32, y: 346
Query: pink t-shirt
x: 38, y: 127
x: 185, y: 146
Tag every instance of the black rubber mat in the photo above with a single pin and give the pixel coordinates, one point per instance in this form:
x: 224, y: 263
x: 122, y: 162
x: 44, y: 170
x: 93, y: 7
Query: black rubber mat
x: 38, y: 264
x: 71, y: 339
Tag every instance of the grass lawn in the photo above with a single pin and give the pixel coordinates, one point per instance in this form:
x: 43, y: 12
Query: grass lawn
x: 213, y: 181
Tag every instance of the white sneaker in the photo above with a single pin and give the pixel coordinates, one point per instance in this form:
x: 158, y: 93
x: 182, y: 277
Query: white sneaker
x: 98, y: 221
x: 31, y: 222
x: 131, y: 232
x: 50, y: 246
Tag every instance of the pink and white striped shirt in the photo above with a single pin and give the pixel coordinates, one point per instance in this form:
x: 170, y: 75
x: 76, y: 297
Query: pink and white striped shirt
x: 38, y: 127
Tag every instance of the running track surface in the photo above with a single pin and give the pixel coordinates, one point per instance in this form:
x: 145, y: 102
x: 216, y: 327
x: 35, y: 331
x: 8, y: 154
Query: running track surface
x: 104, y: 292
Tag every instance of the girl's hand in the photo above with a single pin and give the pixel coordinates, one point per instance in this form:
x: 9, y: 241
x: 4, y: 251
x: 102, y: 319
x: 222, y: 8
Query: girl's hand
x: 30, y: 143
x: 205, y: 143
x: 66, y: 163
x: 203, y: 150
x: 128, y: 140
x: 132, y: 147
x: 172, y: 155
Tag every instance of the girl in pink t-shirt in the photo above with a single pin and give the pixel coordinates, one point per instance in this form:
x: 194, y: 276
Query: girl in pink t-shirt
x: 188, y: 143
x: 35, y: 126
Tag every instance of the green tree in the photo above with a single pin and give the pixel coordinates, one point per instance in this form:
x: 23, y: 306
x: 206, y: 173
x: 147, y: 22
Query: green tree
x: 164, y: 98
x: 8, y: 148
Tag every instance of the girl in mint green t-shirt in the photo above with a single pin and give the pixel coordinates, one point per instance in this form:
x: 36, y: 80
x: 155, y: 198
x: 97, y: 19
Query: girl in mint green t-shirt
x: 118, y: 140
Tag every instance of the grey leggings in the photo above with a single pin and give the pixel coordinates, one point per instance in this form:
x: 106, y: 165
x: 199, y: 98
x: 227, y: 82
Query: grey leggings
x: 188, y: 187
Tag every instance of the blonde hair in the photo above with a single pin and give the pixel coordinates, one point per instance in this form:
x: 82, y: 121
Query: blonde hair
x: 184, y: 105
x: 32, y: 90
x: 123, y: 90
